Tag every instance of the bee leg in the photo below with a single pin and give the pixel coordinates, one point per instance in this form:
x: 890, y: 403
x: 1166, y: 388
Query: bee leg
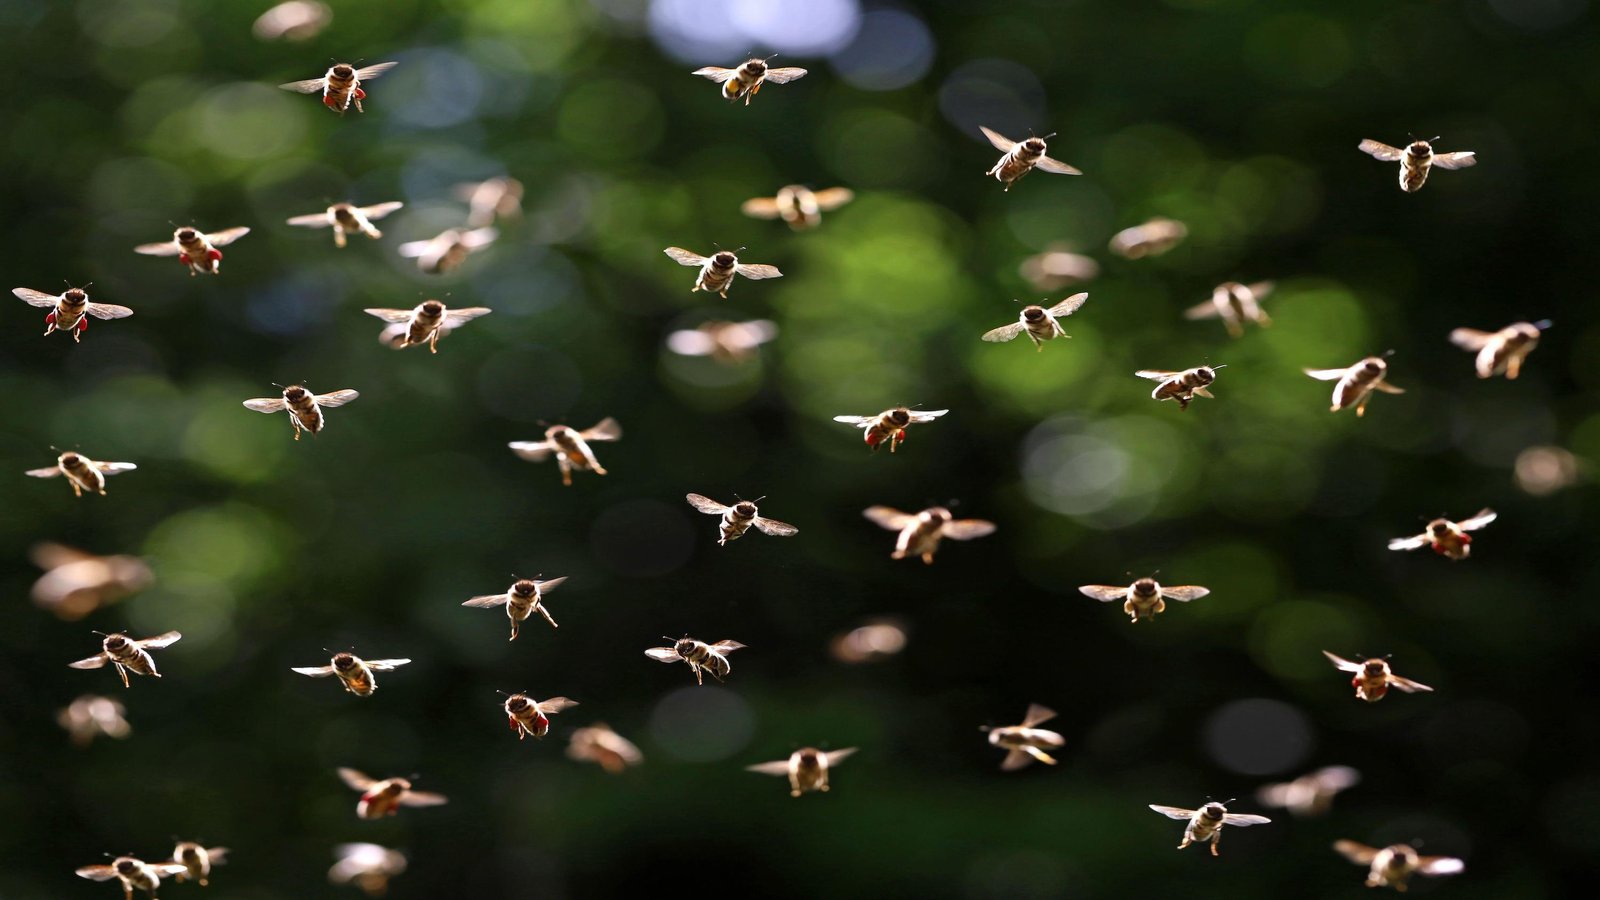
x: 338, y: 237
x: 1361, y: 408
x: 1216, y: 838
x: 124, y: 673
x: 546, y: 613
x: 927, y: 558
x: 433, y: 341
x: 1513, y: 368
x: 76, y: 491
x: 83, y: 325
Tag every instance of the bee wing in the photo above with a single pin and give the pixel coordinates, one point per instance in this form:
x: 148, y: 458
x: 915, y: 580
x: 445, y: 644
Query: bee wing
x: 691, y: 342
x: 1183, y: 593
x: 1483, y: 518
x: 888, y: 517
x: 727, y: 646
x: 1068, y: 306
x: 706, y: 505
x: 927, y: 415
x: 1056, y: 166
x: 1204, y: 310
x: 172, y: 868
x: 114, y: 468
x: 1326, y: 374
x: 266, y: 404
x: 379, y: 210
x: 455, y: 317
x: 313, y: 220
x: 1274, y: 794
x: 390, y: 315
x: 715, y: 73
x: 98, y: 873
x: 51, y: 472
x: 662, y: 654
x: 785, y: 75
x: 1173, y: 812
x: 1037, y: 714
x: 1015, y: 759
x: 415, y: 248
x: 1342, y: 663
x: 1463, y: 160
x: 479, y: 237
x: 487, y: 601
x: 752, y: 334
x: 1105, y: 593
x: 1388, y: 388
x: 833, y: 198
x: 35, y: 298
x: 1155, y: 374
x: 309, y: 86
x: 1260, y: 289
x: 774, y: 527
x: 758, y: 272
x: 1000, y: 141
x: 94, y: 662
x: 684, y: 257
x: 838, y: 756
x: 385, y: 665
x: 423, y: 798
x: 336, y: 398
x: 532, y: 451
x: 356, y: 779
x: 161, y: 640
x: 1244, y: 819
x: 165, y: 248
x: 1407, y: 685
x: 313, y: 671
x: 606, y: 429
x: 109, y: 311
x: 1003, y: 333
x: 968, y: 529
x: 1357, y: 853
x: 227, y: 236
x: 1465, y: 338
x: 760, y: 208
x: 1409, y: 543
x: 860, y: 421
x: 1381, y: 150
x: 373, y: 71
x: 1336, y: 778
x: 546, y: 587
x: 555, y: 705
x: 776, y: 767
x: 1440, y: 865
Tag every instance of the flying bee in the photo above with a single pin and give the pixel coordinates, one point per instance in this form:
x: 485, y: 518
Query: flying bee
x: 700, y: 656
x: 798, y: 205
x: 1356, y: 383
x: 195, y: 249
x: 1394, y: 865
x: 305, y: 408
x: 426, y: 324
x: 1026, y: 742
x: 341, y: 86
x: 746, y: 80
x: 806, y: 768
x: 496, y: 198
x: 128, y: 655
x: 1373, y: 678
x: 134, y: 874
x: 725, y: 342
x: 70, y: 310
x: 295, y: 20
x: 738, y: 518
x: 1416, y: 159
x: 1022, y: 157
x: 447, y: 250
x: 197, y: 861
x: 1499, y: 352
x: 871, y: 642
x: 1309, y: 795
x: 82, y: 473
x: 522, y: 600
x: 1235, y: 304
x: 1144, y: 598
x: 76, y: 583
x: 718, y: 269
x: 1038, y: 323
x: 384, y: 798
x: 1205, y: 823
x: 1181, y: 386
x: 571, y: 447
x: 921, y: 532
x: 1057, y: 267
x: 1153, y: 238
x: 597, y: 743
x: 530, y: 716
x: 90, y: 716
x: 367, y: 866
x: 354, y: 672
x: 1448, y: 539
x: 890, y: 425
x: 346, y: 219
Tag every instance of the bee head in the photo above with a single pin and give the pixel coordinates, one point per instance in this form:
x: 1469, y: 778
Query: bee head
x: 343, y: 661
x: 525, y: 588
x: 294, y: 392
x: 745, y: 509
x: 938, y: 514
x: 70, y: 459
x: 808, y: 757
x: 125, y: 865
x: 1207, y: 374
x: 756, y: 67
x: 186, y: 235
x: 899, y: 417
x: 724, y: 259
x: 1406, y: 855
x: 517, y: 703
x: 115, y: 642
x: 343, y: 70
x: 1439, y: 527
x: 432, y: 307
x: 1214, y: 810
x: 1145, y: 587
x: 1421, y: 147
x: 683, y: 646
x: 1373, y: 366
x: 1033, y: 313
x: 1374, y: 667
x: 341, y: 210
x: 76, y: 295
x: 1524, y: 331
x: 560, y: 432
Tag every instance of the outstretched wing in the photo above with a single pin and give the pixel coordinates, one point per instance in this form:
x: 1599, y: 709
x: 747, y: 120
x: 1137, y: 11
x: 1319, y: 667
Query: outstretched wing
x: 161, y: 640
x: 833, y: 198
x: 423, y: 798
x: 715, y: 73
x: 385, y: 665
x: 1244, y: 819
x: 1003, y: 333
x: 691, y: 342
x: 314, y: 671
x: 1183, y: 593
x: 1407, y: 685
x: 1068, y: 306
x: 1466, y: 338
x: 662, y: 654
x: 546, y: 587
x: 1037, y: 714
x: 313, y: 220
x: 760, y: 208
x: 684, y: 257
x: 355, y: 778
x: 1105, y: 593
x: 1484, y: 517
x: 1380, y: 150
x: 785, y: 75
x: 165, y: 248
x: 1204, y: 310
x: 1409, y: 543
x: 98, y: 873
x: 373, y: 71
x: 109, y: 311
x: 390, y: 315
x: 94, y: 662
x: 1173, y: 812
x: 775, y: 528
x: 1440, y: 865
x: 923, y: 416
x: 532, y: 451
x: 487, y: 601
x: 336, y: 398
x: 858, y: 421
x: 50, y: 472
x: 114, y: 468
x: 776, y: 767
x: 1000, y: 141
x: 607, y: 429
x: 967, y: 529
x: 455, y: 317
x: 835, y: 757
x: 758, y: 272
x: 888, y: 517
x: 1357, y: 853
x: 706, y: 504
x: 227, y: 236
x: 727, y: 646
x: 309, y: 86
x: 266, y: 404
x: 1155, y: 374
x: 555, y: 705
x: 1326, y: 374
x: 1462, y: 160
x: 1342, y: 663
x: 36, y: 298
x: 1056, y: 166
x: 379, y: 210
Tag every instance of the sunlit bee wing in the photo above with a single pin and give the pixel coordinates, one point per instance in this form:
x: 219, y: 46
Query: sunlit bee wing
x: 921, y: 417
x: 663, y: 654
x: 1037, y: 714
x: 1068, y: 306
x: 776, y: 767
x: 313, y: 671
x: 1357, y: 853
x: 833, y: 198
x: 51, y: 472
x: 173, y: 868
x: 706, y: 504
x: 336, y: 398
x: 1004, y: 333
x: 1155, y: 374
x: 98, y: 873
x: 109, y: 311
x: 308, y: 86
x: 1483, y: 518
x: 690, y: 342
x: 1440, y: 865
x: 1204, y: 310
x: 1000, y: 142
x: 455, y: 317
x: 161, y: 640
x: 837, y: 756
x: 1465, y: 338
x: 1407, y: 685
x: 760, y: 208
x: 684, y: 257
x: 1460, y: 160
x: 888, y: 517
x: 1244, y: 819
x: 555, y: 705
x: 1184, y: 592
x: 314, y: 220
x: 1056, y: 166
x: 412, y: 249
x: 356, y: 779
x: 385, y: 665
x: 1173, y: 812
x: 93, y: 662
x: 784, y: 76
x: 1388, y: 388
x: 479, y: 237
x: 1342, y: 663
x: 226, y: 236
x: 1326, y: 374
x: 36, y: 298
x: 775, y: 528
x: 758, y: 272
x: 727, y: 646
x: 423, y: 798
x: 266, y: 404
x: 390, y: 315
x: 1382, y: 151
x: 113, y: 468
x: 968, y: 529
x: 374, y: 70
x: 532, y: 451
x: 379, y: 210
x: 487, y: 601
x: 859, y: 421
x: 1105, y: 593
x: 606, y: 430
x: 715, y: 73
x: 546, y: 587
x: 165, y: 248
x: 1409, y: 543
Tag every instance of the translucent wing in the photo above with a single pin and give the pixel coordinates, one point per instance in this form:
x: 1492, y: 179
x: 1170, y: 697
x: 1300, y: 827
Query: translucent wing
x: 888, y: 517
x: 1105, y: 593
x: 1068, y: 306
x: 784, y: 76
x: 690, y: 342
x: 1380, y: 150
x: 1244, y: 819
x: 1155, y: 374
x: 727, y: 646
x: 760, y: 208
x: 1336, y: 778
x: 98, y: 873
x: 165, y: 248
x: 266, y: 404
x: 1342, y: 663
x: 1015, y: 760
x: 606, y: 429
x: 1326, y: 374
x: 775, y: 528
x: 837, y: 756
x: 555, y: 705
x: 455, y: 317
x: 313, y: 671
x: 1260, y: 289
x: 1000, y: 142
x: 833, y: 198
x: 662, y: 654
x: 706, y: 504
x: 412, y: 249
x: 1440, y: 865
x: 109, y: 311
x: 356, y: 779
x: 390, y: 315
x: 860, y: 421
x: 309, y: 86
x: 1204, y: 310
x: 715, y: 73
x: 684, y: 257
x: 313, y: 220
x: 161, y: 640
x: 373, y: 71
x: 1357, y: 853
x: 487, y: 601
x: 379, y: 210
x: 1409, y: 543
x: 1184, y: 592
x: 967, y: 529
x: 546, y: 587
x: 226, y: 236
x: 51, y: 472
x: 385, y: 665
x: 1056, y: 166
x: 1173, y: 812
x: 423, y: 798
x: 478, y: 237
x: 758, y: 272
x: 1483, y: 518
x: 1037, y: 714
x: 1388, y: 388
x: 172, y: 868
x: 1003, y: 333
x: 93, y: 662
x: 1407, y: 685
x: 927, y: 415
x: 115, y: 468
x: 776, y: 767
x: 35, y: 298
x: 751, y: 334
x: 1462, y: 160
x: 532, y: 451
x: 336, y: 398
x: 1465, y: 338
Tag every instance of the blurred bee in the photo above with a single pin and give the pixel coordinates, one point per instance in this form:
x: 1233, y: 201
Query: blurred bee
x: 384, y: 798
x: 1543, y: 470
x: 1235, y: 304
x: 445, y: 251
x: 1153, y: 238
x: 425, y: 324
x: 305, y: 408
x: 1021, y: 158
x: 920, y: 533
x: 1144, y: 598
x: 354, y: 672
x: 1416, y: 159
x: 341, y: 86
x: 76, y: 583
x: 890, y: 425
x: 296, y: 20
x: 82, y: 473
x: 128, y: 655
x: 1205, y: 823
x: 367, y: 866
x: 738, y: 518
x: 1394, y: 865
x: 71, y: 309
x: 197, y: 861
x: 522, y: 600
x: 718, y: 269
x: 1356, y: 383
x: 1057, y: 267
x: 700, y: 656
x: 90, y: 716
x: 725, y: 342
x: 1309, y: 795
x: 496, y: 198
x: 1038, y: 323
x: 1181, y: 386
x: 133, y: 873
x: 597, y: 743
x: 571, y: 447
x: 1499, y: 352
x: 1025, y: 743
x: 746, y: 80
x: 530, y: 716
x: 346, y: 219
x: 1373, y: 678
x: 869, y: 643
x: 806, y: 768
x: 1448, y: 539
x: 798, y: 205
x: 195, y: 248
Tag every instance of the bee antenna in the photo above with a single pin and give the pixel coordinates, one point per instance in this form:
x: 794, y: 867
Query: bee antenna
x: 1230, y: 800
x: 1434, y: 138
x: 759, y: 499
x: 1048, y: 136
x: 1388, y: 353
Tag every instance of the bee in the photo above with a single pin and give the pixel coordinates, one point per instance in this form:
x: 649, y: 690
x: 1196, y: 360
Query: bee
x: 384, y: 798
x: 524, y: 598
x: 305, y: 408
x: 1038, y: 323
x: 725, y: 342
x: 1499, y: 352
x: 195, y: 249
x: 738, y: 518
x: 700, y: 656
x: 76, y: 583
x: 346, y: 219
x: 718, y: 269
x: 890, y: 425
x: 128, y: 655
x: 920, y: 533
x: 1057, y: 267
x: 530, y: 716
x: 1448, y: 539
x: 1394, y: 865
x: 1153, y: 238
x: 1026, y: 742
x: 571, y: 447
x: 1235, y: 304
x: 1373, y: 678
x: 597, y: 743
x: 90, y: 716
x: 1356, y: 383
x: 1205, y: 823
x: 341, y: 86
x: 806, y: 768
x: 1309, y: 795
x: 354, y: 672
x: 798, y: 205
x: 1021, y: 158
x: 1181, y: 386
x: 70, y: 310
x: 133, y: 873
x: 82, y: 473
x: 197, y: 861
x: 426, y: 324
x: 496, y: 198
x: 447, y: 250
x: 746, y: 80
x: 296, y: 20
x: 1416, y: 159
x: 367, y: 866
x: 869, y: 643
x: 1144, y: 598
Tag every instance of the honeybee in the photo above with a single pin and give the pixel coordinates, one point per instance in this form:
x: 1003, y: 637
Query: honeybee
x: 746, y: 80
x: 1153, y: 238
x: 195, y: 249
x: 82, y: 473
x: 1416, y: 159
x: 346, y: 219
x: 1025, y: 743
x: 197, y: 861
x: 1373, y: 678
x: 384, y: 798
x: 133, y: 873
x: 367, y: 866
x: 798, y: 205
x: 700, y: 656
x: 1144, y: 598
x: 1021, y: 158
x: 354, y: 672
x: 128, y: 655
x: 1501, y: 351
x: 1309, y: 795
x: 90, y: 716
x: 1394, y: 865
x: 530, y: 716
x: 890, y: 425
x: 341, y: 86
x: 426, y: 324
x: 725, y: 342
x: 445, y: 251
x: 76, y: 583
x: 738, y: 518
x: 571, y: 447
x: 70, y: 310
x: 1356, y: 383
x: 1235, y: 304
x: 718, y: 269
x: 1038, y: 323
x: 869, y: 643
x: 496, y: 198
x: 296, y: 20
x: 1448, y: 539
x: 597, y: 743
x: 920, y: 533
x: 522, y: 600
x: 305, y: 408
x: 1181, y: 386
x: 1058, y: 267
x: 806, y: 768
x: 1205, y: 823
